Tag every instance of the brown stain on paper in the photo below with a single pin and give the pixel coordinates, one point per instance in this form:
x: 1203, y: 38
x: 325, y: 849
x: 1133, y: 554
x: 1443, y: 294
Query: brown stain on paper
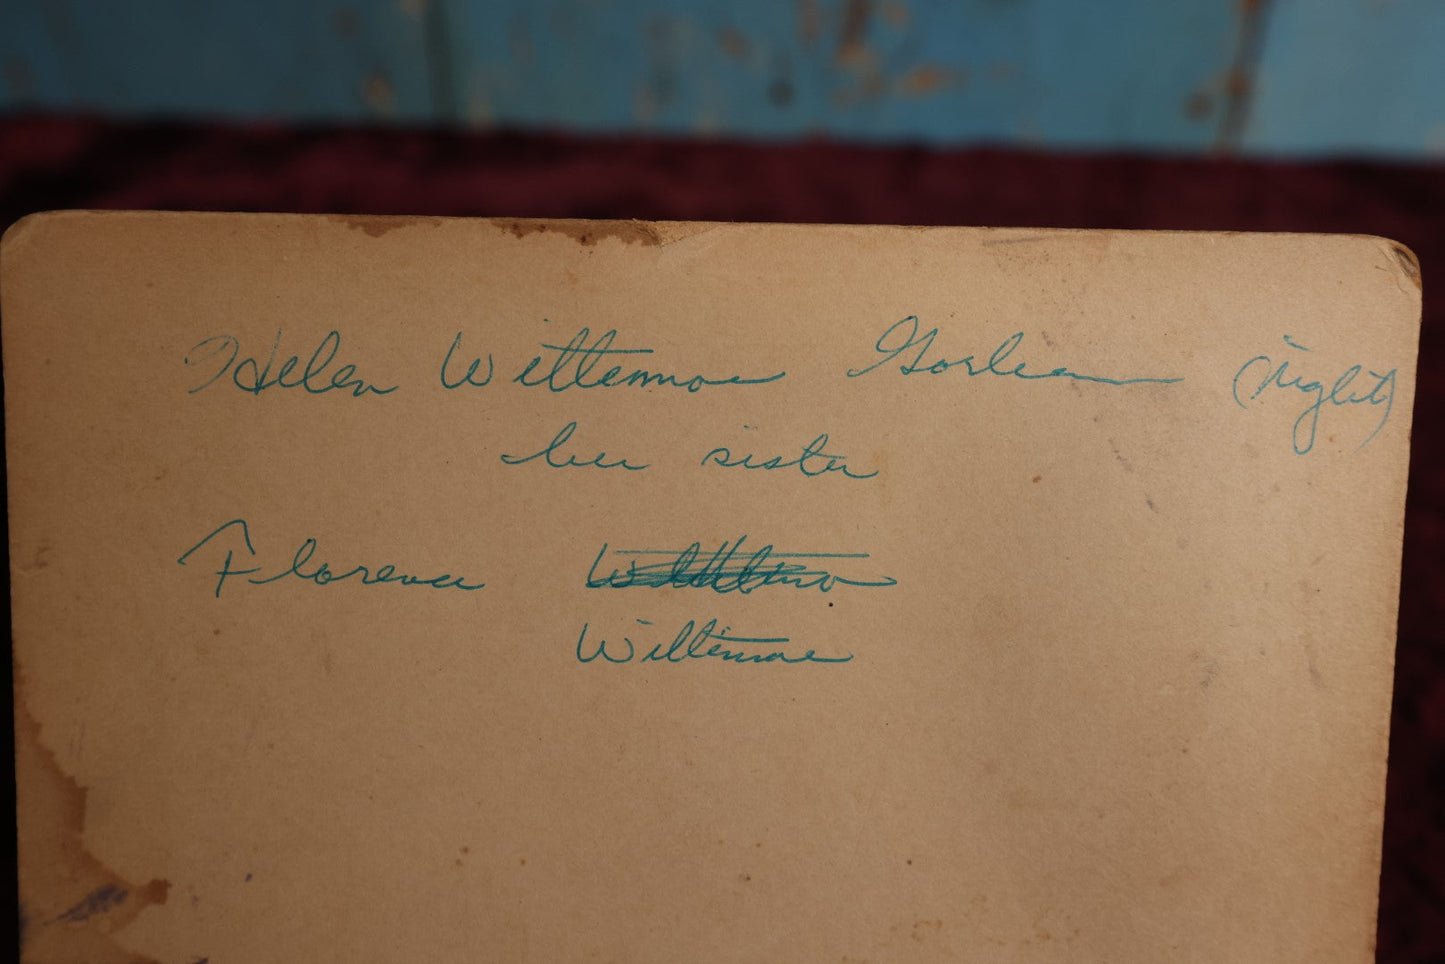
x: 585, y: 233
x: 376, y: 225
x: 71, y: 904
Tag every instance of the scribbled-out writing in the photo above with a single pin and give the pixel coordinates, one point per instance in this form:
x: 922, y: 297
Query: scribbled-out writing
x: 733, y: 567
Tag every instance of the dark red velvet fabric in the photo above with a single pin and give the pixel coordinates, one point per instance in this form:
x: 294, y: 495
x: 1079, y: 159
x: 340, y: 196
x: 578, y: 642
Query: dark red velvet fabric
x: 60, y: 163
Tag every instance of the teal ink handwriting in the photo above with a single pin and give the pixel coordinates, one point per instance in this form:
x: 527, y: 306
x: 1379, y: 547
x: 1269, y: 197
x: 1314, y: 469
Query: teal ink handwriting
x: 469, y: 377
x: 1354, y: 386
x: 814, y: 461
x: 580, y: 364
x: 236, y: 535
x: 251, y: 376
x: 552, y: 454
x: 694, y: 642
x: 728, y: 569
x: 902, y: 341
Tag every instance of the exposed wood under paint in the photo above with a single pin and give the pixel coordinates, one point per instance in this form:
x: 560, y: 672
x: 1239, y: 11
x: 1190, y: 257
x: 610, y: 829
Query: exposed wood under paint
x: 1193, y: 76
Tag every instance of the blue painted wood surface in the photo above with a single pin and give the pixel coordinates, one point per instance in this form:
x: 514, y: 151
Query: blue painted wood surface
x: 940, y: 71
x: 1345, y: 76
x: 1264, y: 76
x: 288, y: 59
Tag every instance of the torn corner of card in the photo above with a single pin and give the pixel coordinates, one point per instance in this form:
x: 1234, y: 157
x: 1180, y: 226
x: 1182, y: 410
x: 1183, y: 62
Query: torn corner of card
x: 400, y: 588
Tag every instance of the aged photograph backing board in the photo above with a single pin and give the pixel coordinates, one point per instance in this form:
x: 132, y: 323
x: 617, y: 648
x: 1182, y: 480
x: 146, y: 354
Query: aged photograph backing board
x: 460, y: 590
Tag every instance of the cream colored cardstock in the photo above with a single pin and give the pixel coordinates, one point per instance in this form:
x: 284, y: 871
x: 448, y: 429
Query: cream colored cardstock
x: 468, y: 590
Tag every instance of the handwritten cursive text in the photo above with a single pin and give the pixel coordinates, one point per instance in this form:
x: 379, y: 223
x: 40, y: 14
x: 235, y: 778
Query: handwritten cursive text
x: 814, y: 461
x: 902, y: 338
x: 250, y: 375
x: 237, y: 535
x: 1354, y: 386
x: 693, y: 642
x: 576, y: 364
x: 552, y: 454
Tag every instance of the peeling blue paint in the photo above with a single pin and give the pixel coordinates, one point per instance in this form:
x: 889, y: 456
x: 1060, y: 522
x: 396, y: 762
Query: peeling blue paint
x: 1183, y: 76
x: 1057, y: 73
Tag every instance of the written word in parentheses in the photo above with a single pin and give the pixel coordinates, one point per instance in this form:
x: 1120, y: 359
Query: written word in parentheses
x: 693, y: 642
x: 731, y: 568
x: 1265, y: 376
x: 234, y: 536
x: 902, y: 342
x: 221, y: 354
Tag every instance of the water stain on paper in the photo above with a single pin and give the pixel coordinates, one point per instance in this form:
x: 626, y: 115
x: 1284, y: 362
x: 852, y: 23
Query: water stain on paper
x: 72, y: 905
